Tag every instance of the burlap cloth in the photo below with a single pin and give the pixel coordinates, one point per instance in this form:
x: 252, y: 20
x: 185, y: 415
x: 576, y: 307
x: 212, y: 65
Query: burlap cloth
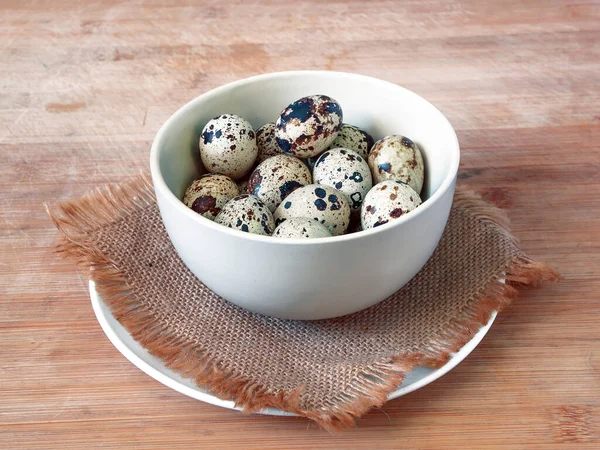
x: 332, y: 371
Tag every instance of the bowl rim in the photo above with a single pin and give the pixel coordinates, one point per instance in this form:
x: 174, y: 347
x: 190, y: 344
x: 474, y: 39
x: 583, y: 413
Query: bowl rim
x: 161, y: 185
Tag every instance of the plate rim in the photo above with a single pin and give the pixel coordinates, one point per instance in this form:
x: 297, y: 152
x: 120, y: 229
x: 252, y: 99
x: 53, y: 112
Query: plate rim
x: 101, y: 310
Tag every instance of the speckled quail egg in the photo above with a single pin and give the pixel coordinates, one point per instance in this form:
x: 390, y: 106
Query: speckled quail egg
x: 397, y: 158
x: 247, y: 213
x: 265, y: 140
x: 346, y: 171
x: 387, y: 201
x: 209, y: 193
x: 353, y: 138
x: 277, y: 177
x: 350, y: 137
x: 228, y: 146
x: 308, y: 126
x: 301, y: 227
x: 324, y: 204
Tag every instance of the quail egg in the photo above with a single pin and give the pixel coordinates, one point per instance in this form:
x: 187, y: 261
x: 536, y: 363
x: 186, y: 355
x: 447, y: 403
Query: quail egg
x: 397, y: 158
x: 301, y: 227
x: 346, y: 171
x: 247, y: 213
x: 353, y: 138
x: 209, y: 193
x: 321, y: 203
x: 228, y: 146
x: 308, y: 126
x: 277, y: 177
x: 387, y: 201
x: 265, y: 140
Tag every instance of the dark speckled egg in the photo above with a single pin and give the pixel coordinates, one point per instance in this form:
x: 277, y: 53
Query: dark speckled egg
x: 301, y: 228
x: 324, y: 204
x: 308, y: 126
x: 350, y: 137
x: 346, y: 171
x: 277, y: 177
x: 353, y: 138
x: 247, y: 213
x: 265, y: 140
x: 209, y: 193
x: 387, y: 201
x: 228, y: 146
x: 397, y: 158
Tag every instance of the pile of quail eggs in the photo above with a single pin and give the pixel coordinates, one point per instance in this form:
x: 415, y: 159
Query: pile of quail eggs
x: 306, y: 175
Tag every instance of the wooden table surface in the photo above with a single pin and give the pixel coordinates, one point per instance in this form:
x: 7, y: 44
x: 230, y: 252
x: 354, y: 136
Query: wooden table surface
x: 85, y: 86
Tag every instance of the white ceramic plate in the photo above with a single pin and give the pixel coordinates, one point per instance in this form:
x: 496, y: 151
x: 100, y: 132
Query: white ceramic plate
x: 136, y: 354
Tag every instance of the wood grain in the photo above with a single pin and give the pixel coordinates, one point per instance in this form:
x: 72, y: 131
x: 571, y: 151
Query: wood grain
x: 84, y: 86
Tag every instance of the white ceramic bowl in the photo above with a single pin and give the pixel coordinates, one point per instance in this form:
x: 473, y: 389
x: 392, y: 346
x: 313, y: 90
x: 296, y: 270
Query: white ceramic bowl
x: 312, y: 278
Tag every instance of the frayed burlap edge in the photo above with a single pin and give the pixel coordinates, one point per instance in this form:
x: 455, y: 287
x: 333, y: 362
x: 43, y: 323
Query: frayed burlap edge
x: 77, y: 220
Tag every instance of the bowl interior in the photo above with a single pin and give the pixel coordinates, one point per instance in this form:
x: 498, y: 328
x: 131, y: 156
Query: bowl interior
x: 379, y: 107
